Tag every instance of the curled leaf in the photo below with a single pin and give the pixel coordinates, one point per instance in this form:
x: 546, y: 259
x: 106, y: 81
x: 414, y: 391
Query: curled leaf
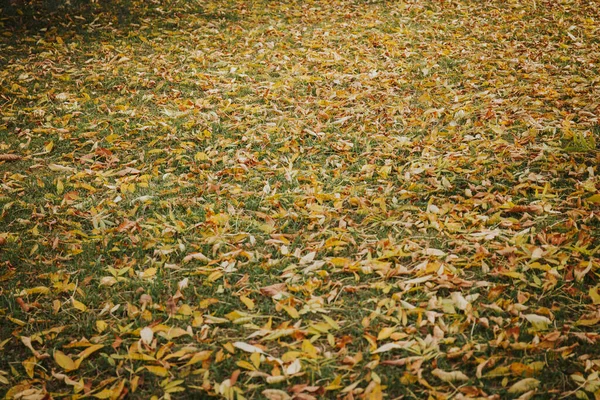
x: 449, y: 376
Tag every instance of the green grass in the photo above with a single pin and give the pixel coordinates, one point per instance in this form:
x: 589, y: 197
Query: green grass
x: 206, y: 102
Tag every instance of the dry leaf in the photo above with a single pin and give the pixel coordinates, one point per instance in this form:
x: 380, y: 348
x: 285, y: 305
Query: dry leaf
x: 10, y: 157
x: 452, y: 376
x: 524, y: 385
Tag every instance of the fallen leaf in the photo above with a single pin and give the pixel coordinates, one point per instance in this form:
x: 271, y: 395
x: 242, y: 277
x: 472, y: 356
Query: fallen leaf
x: 524, y: 385
x: 64, y: 361
x: 449, y: 376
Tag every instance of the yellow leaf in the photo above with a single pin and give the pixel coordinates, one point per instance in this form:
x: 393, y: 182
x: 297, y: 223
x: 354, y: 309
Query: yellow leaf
x: 385, y: 333
x: 247, y: 302
x: 173, y: 333
x: 200, y: 156
x: 278, y: 333
x: 215, y: 276
x: 105, y: 394
x: 595, y: 199
x: 229, y: 347
x: 340, y: 261
x: 593, y: 292
x: 79, y: 305
x: 139, y: 356
x: 335, y: 384
x: 157, y: 370
x: 199, y: 357
x: 134, y: 383
x: 111, y: 138
x: 185, y: 309
x: 49, y: 146
x: 291, y: 311
x: 309, y: 349
x: 101, y: 326
x: 291, y: 356
x: 29, y: 365
x: 246, y: 365
x: 149, y: 273
x: 64, y: 361
x: 587, y: 321
x: 331, y: 322
x: 56, y: 306
x: 87, y: 352
x: 3, y: 343
x: 513, y: 274
x: 36, y: 290
x: 384, y: 171
x: 255, y: 358
x: 17, y: 321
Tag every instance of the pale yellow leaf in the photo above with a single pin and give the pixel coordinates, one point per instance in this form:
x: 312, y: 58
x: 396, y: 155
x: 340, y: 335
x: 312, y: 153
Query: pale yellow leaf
x: 449, y: 376
x: 524, y: 385
x: 248, y: 347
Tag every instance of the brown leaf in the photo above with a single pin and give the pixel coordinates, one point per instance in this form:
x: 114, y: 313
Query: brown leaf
x: 10, y: 157
x: 273, y: 290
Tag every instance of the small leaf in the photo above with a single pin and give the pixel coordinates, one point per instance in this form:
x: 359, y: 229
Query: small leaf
x: 524, y: 385
x: 385, y: 333
x: 157, y: 370
x: 79, y: 305
x: 101, y: 326
x: 273, y: 290
x: 449, y: 376
x: 200, y: 357
x: 594, y: 199
x: 275, y: 394
x: 64, y: 361
x: 389, y: 346
x: 292, y: 312
x: 10, y: 157
x: 196, y: 256
x: 294, y: 367
x: 201, y: 156
x: 247, y: 302
x: 308, y: 258
x: 147, y: 335
x: 87, y: 352
x: 539, y: 322
x: 248, y: 347
x: 593, y: 293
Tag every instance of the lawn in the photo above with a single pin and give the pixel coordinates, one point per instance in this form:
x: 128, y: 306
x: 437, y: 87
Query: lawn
x: 299, y: 199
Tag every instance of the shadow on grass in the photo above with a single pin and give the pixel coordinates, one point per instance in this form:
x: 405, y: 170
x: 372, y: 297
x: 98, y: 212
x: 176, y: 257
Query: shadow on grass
x: 21, y: 18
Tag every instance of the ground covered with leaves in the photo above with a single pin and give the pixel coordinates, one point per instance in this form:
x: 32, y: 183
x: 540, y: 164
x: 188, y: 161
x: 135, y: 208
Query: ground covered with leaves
x: 309, y: 199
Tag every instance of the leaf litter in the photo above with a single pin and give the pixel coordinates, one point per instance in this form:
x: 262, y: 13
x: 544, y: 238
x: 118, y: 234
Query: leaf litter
x: 299, y: 200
